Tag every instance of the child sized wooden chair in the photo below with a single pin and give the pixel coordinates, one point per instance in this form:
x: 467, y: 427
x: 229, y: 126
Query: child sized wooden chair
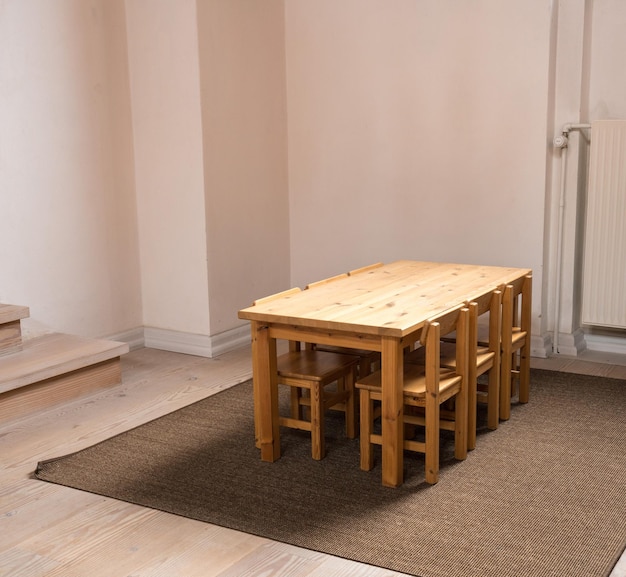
x: 426, y: 387
x: 315, y: 372
x: 516, y: 331
x: 483, y: 359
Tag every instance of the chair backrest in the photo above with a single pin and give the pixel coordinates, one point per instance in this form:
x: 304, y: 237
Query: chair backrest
x: 490, y: 303
x: 367, y: 268
x: 516, y: 306
x: 454, y: 320
x: 326, y: 280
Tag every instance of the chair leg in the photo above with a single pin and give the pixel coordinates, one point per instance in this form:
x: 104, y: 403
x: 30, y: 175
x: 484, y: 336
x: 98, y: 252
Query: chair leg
x: 317, y: 423
x: 296, y: 406
x: 471, y: 408
x: 524, y: 376
x: 505, y: 386
x: 493, y: 399
x: 472, y: 418
x: 432, y: 441
x: 367, y: 451
x: 461, y: 436
x: 410, y: 428
x: 365, y: 367
x: 350, y: 406
x: 255, y: 394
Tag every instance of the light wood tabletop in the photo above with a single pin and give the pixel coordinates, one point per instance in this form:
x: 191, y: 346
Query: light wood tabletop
x: 381, y: 309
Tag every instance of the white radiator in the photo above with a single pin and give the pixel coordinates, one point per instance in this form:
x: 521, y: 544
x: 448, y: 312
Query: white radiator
x: 604, y: 270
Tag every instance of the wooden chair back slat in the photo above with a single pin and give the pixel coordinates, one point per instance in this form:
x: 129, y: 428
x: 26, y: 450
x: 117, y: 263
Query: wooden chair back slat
x: 326, y: 281
x: 364, y: 269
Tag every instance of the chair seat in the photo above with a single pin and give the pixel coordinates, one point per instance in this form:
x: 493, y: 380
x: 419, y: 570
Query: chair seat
x: 368, y: 360
x: 313, y: 365
x: 448, y: 355
x: 484, y: 356
x: 310, y: 374
x: 518, y: 336
x: 414, y: 382
x: 315, y: 372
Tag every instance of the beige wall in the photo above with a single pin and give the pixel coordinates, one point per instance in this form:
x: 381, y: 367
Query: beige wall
x: 167, y: 128
x: 607, y: 81
x: 242, y: 73
x: 68, y: 238
x: 272, y: 143
x: 417, y: 130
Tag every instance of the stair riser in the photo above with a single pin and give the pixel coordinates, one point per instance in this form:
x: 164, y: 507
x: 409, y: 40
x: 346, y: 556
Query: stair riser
x: 10, y: 338
x: 50, y: 392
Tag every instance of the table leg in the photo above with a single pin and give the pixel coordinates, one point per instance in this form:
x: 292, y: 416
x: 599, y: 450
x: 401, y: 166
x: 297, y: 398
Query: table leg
x: 265, y: 388
x: 526, y: 321
x: 392, y: 412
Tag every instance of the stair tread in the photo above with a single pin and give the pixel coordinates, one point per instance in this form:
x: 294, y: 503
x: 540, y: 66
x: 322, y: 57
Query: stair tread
x: 10, y: 313
x: 54, y: 354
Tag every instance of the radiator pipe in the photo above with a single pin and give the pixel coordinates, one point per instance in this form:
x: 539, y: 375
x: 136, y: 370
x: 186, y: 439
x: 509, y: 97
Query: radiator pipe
x: 569, y: 127
x: 561, y: 141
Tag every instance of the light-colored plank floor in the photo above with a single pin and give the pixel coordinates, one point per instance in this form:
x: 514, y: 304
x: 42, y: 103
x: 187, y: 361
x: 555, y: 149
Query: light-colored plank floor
x: 47, y: 530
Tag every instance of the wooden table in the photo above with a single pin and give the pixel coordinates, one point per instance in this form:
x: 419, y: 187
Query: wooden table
x: 379, y: 310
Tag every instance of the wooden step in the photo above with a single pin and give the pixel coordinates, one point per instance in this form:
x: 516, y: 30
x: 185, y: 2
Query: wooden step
x: 10, y: 313
x: 11, y: 328
x: 56, y: 367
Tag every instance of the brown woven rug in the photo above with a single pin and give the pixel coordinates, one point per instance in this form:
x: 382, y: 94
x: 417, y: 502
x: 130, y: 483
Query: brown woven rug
x: 544, y: 495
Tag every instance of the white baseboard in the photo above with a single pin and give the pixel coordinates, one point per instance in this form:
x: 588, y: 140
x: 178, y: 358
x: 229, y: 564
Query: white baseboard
x: 540, y: 347
x: 133, y: 337
x: 187, y: 343
x: 571, y: 344
x: 177, y: 342
x: 231, y: 340
x: 192, y: 344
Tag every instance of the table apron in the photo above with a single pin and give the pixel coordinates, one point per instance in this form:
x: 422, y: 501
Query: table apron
x: 325, y: 337
x: 348, y: 339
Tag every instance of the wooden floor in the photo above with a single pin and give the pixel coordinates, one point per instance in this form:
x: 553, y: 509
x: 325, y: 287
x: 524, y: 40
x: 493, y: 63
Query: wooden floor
x: 47, y: 530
